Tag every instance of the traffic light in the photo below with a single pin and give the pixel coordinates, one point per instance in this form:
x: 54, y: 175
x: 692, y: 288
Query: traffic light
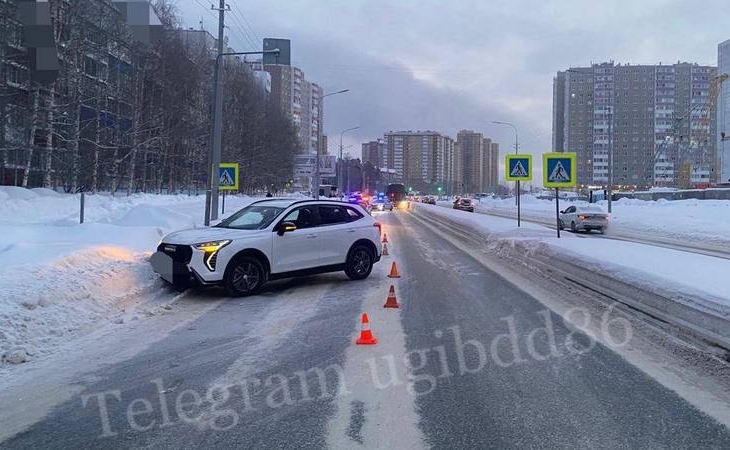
x: 439, y: 188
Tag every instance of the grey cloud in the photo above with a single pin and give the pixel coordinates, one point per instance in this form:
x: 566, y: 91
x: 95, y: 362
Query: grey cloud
x: 474, y: 61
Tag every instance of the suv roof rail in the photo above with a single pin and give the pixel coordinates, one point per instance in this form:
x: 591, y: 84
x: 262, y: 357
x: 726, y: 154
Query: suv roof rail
x: 294, y: 202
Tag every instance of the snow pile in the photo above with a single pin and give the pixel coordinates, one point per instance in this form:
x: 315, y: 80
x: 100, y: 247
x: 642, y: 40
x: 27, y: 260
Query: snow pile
x: 45, y: 206
x: 705, y: 221
x: 14, y: 192
x: 154, y: 216
x: 40, y: 306
x: 59, y: 278
x: 43, y: 192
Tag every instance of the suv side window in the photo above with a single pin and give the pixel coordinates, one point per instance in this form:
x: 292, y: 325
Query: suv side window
x: 570, y: 210
x: 304, y: 217
x: 353, y: 214
x: 332, y: 215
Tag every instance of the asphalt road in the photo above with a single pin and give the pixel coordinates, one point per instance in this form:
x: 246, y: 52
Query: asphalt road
x: 491, y: 368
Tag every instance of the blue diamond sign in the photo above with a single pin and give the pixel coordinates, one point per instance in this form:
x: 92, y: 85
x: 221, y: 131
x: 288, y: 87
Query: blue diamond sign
x: 559, y: 170
x: 228, y: 177
x: 518, y: 167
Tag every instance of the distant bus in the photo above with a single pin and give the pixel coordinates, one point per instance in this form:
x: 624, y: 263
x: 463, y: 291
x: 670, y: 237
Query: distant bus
x: 396, y: 193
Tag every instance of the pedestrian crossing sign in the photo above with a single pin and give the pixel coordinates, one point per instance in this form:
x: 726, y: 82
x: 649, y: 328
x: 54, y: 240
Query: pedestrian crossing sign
x: 559, y: 170
x: 228, y: 177
x: 518, y: 168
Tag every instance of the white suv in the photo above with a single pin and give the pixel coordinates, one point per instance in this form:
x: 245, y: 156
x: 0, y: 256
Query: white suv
x: 271, y: 239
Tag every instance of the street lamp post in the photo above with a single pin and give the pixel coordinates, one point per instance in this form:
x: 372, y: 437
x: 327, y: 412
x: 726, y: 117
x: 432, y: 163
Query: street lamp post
x: 340, y: 184
x: 517, y: 151
x: 319, y: 145
x: 214, y: 157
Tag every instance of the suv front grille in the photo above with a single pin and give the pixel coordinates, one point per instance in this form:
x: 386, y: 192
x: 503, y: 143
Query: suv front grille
x: 178, y: 253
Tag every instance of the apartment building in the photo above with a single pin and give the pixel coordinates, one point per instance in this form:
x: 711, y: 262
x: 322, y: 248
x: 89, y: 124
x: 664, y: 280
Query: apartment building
x: 723, y: 115
x: 490, y: 179
x: 425, y: 160
x: 657, y: 120
x: 297, y: 95
x: 471, y: 146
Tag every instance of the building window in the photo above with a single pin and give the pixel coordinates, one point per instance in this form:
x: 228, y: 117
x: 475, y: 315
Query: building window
x: 15, y: 75
x: 91, y: 67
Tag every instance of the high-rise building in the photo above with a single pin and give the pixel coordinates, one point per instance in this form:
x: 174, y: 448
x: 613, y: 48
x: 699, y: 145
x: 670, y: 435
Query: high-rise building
x: 558, y: 106
x: 657, y: 119
x: 296, y: 95
x: 471, y: 145
x: 424, y: 159
x: 446, y: 164
x: 374, y: 152
x: 490, y: 179
x: 723, y: 114
x: 456, y: 183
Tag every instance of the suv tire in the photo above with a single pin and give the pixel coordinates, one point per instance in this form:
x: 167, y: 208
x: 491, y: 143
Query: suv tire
x: 244, y: 276
x: 359, y: 262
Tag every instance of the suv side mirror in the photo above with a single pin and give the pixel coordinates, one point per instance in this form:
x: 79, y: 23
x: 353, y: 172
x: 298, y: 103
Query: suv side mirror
x: 562, y: 212
x: 285, y: 227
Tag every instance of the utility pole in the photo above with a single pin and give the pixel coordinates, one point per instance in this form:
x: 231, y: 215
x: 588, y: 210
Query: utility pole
x: 211, y: 194
x: 214, y: 156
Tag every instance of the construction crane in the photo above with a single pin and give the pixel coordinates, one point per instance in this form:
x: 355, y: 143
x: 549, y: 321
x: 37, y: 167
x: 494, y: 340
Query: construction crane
x: 696, y: 111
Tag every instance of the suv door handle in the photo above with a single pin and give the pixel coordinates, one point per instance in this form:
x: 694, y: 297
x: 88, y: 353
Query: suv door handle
x: 311, y: 236
x: 351, y: 230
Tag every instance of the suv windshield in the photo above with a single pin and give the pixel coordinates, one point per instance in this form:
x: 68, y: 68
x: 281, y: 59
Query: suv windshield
x: 253, y: 217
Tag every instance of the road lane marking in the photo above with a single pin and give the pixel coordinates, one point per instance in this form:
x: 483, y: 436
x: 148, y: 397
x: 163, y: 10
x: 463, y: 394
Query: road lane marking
x: 379, y: 411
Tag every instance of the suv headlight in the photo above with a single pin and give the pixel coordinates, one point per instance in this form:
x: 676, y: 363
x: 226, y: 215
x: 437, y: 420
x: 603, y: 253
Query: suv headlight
x: 210, y: 249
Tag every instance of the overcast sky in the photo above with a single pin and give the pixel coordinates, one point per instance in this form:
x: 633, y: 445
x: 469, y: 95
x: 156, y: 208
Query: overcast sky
x: 454, y: 64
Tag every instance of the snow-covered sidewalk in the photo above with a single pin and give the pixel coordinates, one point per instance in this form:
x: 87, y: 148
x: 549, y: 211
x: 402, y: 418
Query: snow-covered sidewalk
x: 59, y: 278
x: 705, y: 222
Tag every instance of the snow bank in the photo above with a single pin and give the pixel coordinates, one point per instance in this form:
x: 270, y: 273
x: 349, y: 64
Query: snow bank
x: 59, y: 278
x: 41, y: 306
x: 689, y: 278
x: 154, y: 216
x: 17, y: 193
x: 43, y: 192
x: 684, y: 221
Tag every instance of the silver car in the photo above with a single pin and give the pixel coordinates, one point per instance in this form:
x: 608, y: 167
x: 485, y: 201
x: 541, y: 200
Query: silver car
x: 584, y: 218
x: 381, y: 205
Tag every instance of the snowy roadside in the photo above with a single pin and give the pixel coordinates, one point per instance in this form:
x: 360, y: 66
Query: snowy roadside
x: 684, y: 221
x: 60, y: 279
x: 680, y: 283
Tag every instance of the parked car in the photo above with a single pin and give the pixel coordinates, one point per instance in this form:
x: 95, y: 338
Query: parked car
x: 271, y: 239
x: 464, y: 204
x: 584, y: 218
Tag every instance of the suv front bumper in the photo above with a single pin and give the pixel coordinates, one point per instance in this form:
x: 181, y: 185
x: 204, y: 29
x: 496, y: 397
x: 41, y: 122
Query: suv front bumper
x: 175, y: 263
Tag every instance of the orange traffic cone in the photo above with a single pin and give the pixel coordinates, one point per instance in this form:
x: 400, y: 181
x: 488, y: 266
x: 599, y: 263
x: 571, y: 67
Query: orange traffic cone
x: 385, y: 250
x: 385, y: 238
x: 393, y: 271
x: 366, y: 336
x: 391, y: 302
